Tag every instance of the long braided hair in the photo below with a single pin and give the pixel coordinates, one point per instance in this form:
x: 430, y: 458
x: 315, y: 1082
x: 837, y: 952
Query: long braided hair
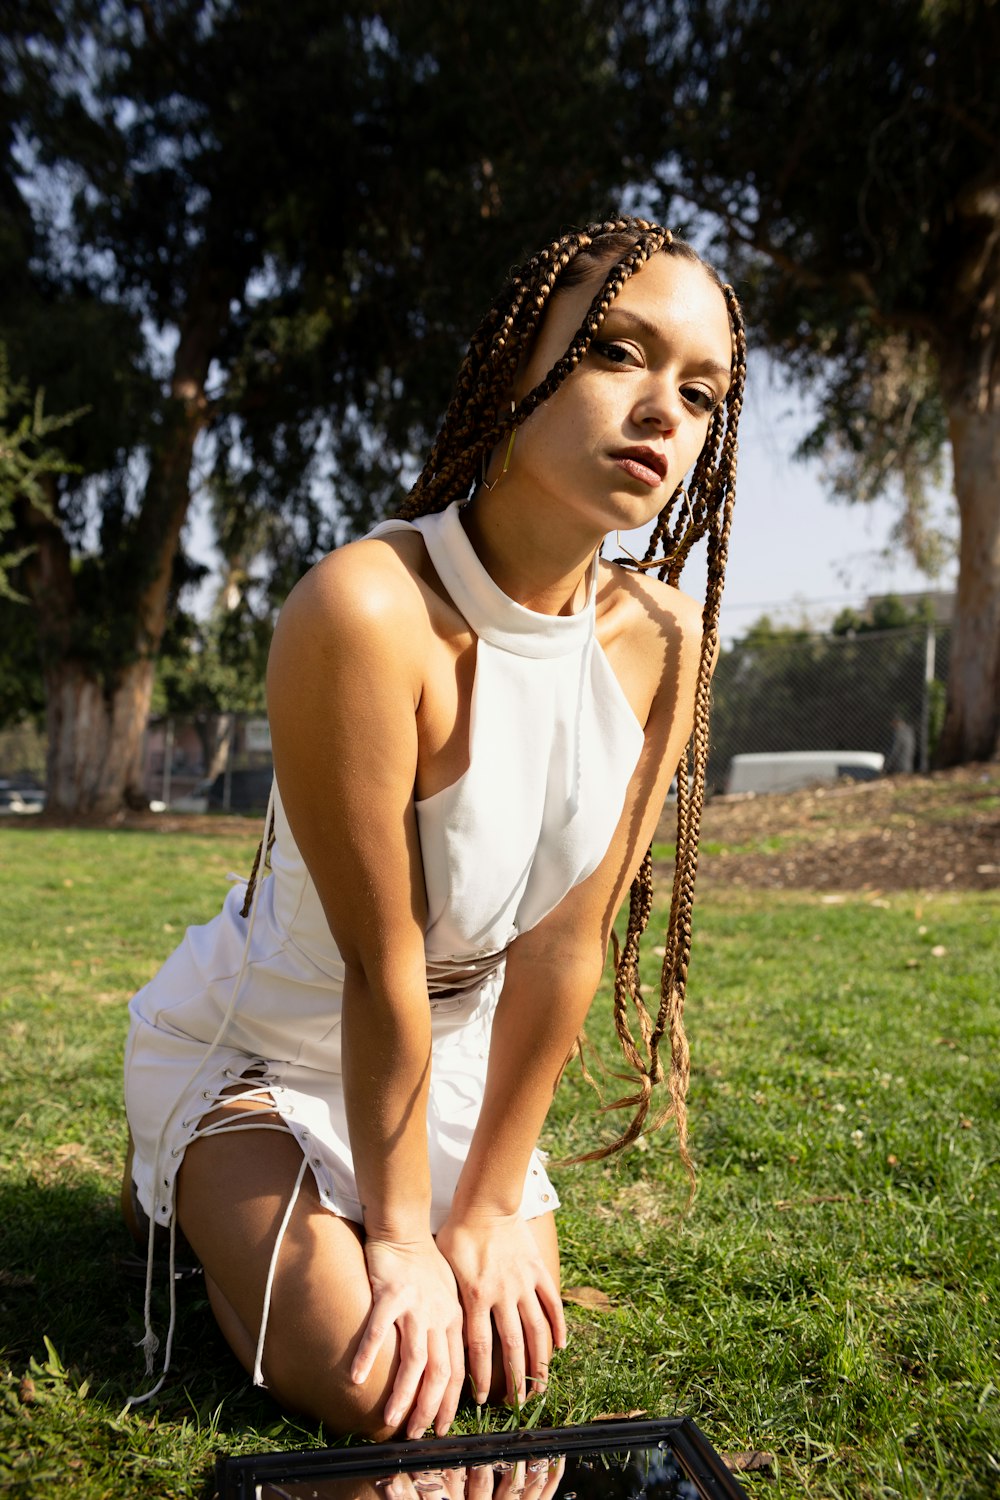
x: 474, y: 423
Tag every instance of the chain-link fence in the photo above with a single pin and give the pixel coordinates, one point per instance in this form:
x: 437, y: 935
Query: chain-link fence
x: 868, y: 691
x: 785, y: 692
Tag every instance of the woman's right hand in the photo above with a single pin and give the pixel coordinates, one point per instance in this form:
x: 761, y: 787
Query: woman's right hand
x: 414, y: 1292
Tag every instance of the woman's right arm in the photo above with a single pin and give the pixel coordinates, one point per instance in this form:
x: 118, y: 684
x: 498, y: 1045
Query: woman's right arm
x: 344, y: 683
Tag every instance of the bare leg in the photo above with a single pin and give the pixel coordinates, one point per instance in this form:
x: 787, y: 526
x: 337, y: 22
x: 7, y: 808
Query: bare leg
x: 232, y: 1194
x: 544, y: 1230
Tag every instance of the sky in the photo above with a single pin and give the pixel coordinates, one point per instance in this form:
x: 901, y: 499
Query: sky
x: 794, y: 554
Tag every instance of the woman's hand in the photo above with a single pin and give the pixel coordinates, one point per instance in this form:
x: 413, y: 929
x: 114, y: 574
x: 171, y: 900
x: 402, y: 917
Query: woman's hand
x: 504, y: 1283
x: 413, y: 1291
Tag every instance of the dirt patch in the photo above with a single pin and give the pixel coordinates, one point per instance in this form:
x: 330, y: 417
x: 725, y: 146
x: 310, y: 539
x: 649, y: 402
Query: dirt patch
x: 937, y: 832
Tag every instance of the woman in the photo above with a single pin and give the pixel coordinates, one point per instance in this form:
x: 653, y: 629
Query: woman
x: 338, y: 1091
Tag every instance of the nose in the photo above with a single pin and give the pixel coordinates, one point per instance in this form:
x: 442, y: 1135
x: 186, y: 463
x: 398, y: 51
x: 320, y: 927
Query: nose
x: 659, y: 406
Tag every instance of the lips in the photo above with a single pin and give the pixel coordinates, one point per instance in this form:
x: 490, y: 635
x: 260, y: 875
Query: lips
x: 644, y: 464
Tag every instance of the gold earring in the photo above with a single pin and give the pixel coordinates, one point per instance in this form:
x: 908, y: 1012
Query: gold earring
x: 658, y: 562
x: 506, y: 458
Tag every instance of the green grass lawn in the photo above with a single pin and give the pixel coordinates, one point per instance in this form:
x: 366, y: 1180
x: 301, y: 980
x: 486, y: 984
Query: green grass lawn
x: 832, y: 1298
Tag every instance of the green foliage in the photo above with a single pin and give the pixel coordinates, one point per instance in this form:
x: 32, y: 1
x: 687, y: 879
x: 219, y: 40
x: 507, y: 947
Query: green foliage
x: 325, y: 198
x: 27, y: 458
x: 886, y: 613
x: 22, y: 689
x: 847, y: 157
x: 256, y: 237
x: 213, y: 666
x: 832, y: 1298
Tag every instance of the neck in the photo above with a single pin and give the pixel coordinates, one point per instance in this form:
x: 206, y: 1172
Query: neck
x: 536, y: 566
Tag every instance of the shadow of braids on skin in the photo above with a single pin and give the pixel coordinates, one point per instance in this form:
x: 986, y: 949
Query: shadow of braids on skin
x: 477, y: 418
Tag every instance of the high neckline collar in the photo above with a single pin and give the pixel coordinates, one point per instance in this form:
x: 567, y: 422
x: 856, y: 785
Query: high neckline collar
x: 493, y: 615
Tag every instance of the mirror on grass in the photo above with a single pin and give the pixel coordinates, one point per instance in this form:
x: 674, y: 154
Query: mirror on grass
x: 669, y: 1459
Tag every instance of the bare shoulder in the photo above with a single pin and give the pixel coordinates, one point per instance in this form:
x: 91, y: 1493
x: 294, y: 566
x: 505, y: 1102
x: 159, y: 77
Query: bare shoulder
x: 644, y: 611
x: 366, y: 595
x: 651, y: 634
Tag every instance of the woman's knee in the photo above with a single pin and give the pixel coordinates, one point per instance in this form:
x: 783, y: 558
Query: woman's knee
x: 303, y: 1381
x: 320, y: 1297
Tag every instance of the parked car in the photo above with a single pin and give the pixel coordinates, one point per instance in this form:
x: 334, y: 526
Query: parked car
x: 789, y: 770
x: 19, y: 799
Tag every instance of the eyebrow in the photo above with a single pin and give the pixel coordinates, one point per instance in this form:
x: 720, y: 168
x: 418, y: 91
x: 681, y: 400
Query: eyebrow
x: 643, y: 325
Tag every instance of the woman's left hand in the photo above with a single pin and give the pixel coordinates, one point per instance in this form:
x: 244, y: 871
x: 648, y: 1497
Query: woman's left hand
x: 504, y: 1283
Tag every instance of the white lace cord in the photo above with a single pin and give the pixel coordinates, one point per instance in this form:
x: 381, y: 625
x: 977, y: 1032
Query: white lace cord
x: 258, y: 1374
x: 586, y: 663
x: 149, y: 1341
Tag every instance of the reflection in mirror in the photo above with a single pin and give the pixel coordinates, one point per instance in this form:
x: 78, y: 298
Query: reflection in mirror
x: 650, y: 1473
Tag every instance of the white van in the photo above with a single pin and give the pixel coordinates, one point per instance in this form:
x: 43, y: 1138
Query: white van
x: 788, y: 770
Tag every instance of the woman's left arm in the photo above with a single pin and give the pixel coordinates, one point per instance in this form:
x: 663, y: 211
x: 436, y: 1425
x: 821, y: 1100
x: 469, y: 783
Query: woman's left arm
x: 551, y: 976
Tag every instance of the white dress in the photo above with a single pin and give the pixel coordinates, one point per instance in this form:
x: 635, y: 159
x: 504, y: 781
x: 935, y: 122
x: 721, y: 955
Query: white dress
x: 553, y: 744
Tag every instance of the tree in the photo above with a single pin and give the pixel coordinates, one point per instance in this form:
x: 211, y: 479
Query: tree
x: 211, y: 669
x: 850, y: 155
x: 259, y: 232
x: 27, y: 462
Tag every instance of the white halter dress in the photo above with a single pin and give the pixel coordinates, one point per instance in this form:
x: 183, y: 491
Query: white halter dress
x: 553, y: 744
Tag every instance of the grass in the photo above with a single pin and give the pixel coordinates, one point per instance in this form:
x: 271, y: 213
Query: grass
x: 769, y: 844
x: 832, y: 1298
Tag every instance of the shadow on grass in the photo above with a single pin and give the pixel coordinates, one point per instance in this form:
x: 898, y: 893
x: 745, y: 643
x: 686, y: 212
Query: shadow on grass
x: 68, y: 1274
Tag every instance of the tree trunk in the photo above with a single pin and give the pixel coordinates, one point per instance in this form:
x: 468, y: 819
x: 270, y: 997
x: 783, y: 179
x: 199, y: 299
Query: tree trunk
x: 97, y: 709
x: 972, y: 718
x: 215, y: 733
x: 95, y: 736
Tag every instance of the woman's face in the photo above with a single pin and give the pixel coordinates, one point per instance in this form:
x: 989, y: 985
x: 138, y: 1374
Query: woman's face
x: 624, y: 428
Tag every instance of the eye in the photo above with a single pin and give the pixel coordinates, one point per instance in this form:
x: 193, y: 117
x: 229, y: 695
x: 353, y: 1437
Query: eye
x: 616, y: 353
x: 701, y: 399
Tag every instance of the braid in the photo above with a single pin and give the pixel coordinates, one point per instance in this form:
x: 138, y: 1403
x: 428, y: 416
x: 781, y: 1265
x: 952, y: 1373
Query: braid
x: 472, y: 426
x: 474, y: 422
x: 263, y: 852
x: 707, y: 513
x: 713, y: 483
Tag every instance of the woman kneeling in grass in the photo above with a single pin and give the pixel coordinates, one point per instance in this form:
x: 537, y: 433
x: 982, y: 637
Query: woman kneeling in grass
x: 336, y: 1088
